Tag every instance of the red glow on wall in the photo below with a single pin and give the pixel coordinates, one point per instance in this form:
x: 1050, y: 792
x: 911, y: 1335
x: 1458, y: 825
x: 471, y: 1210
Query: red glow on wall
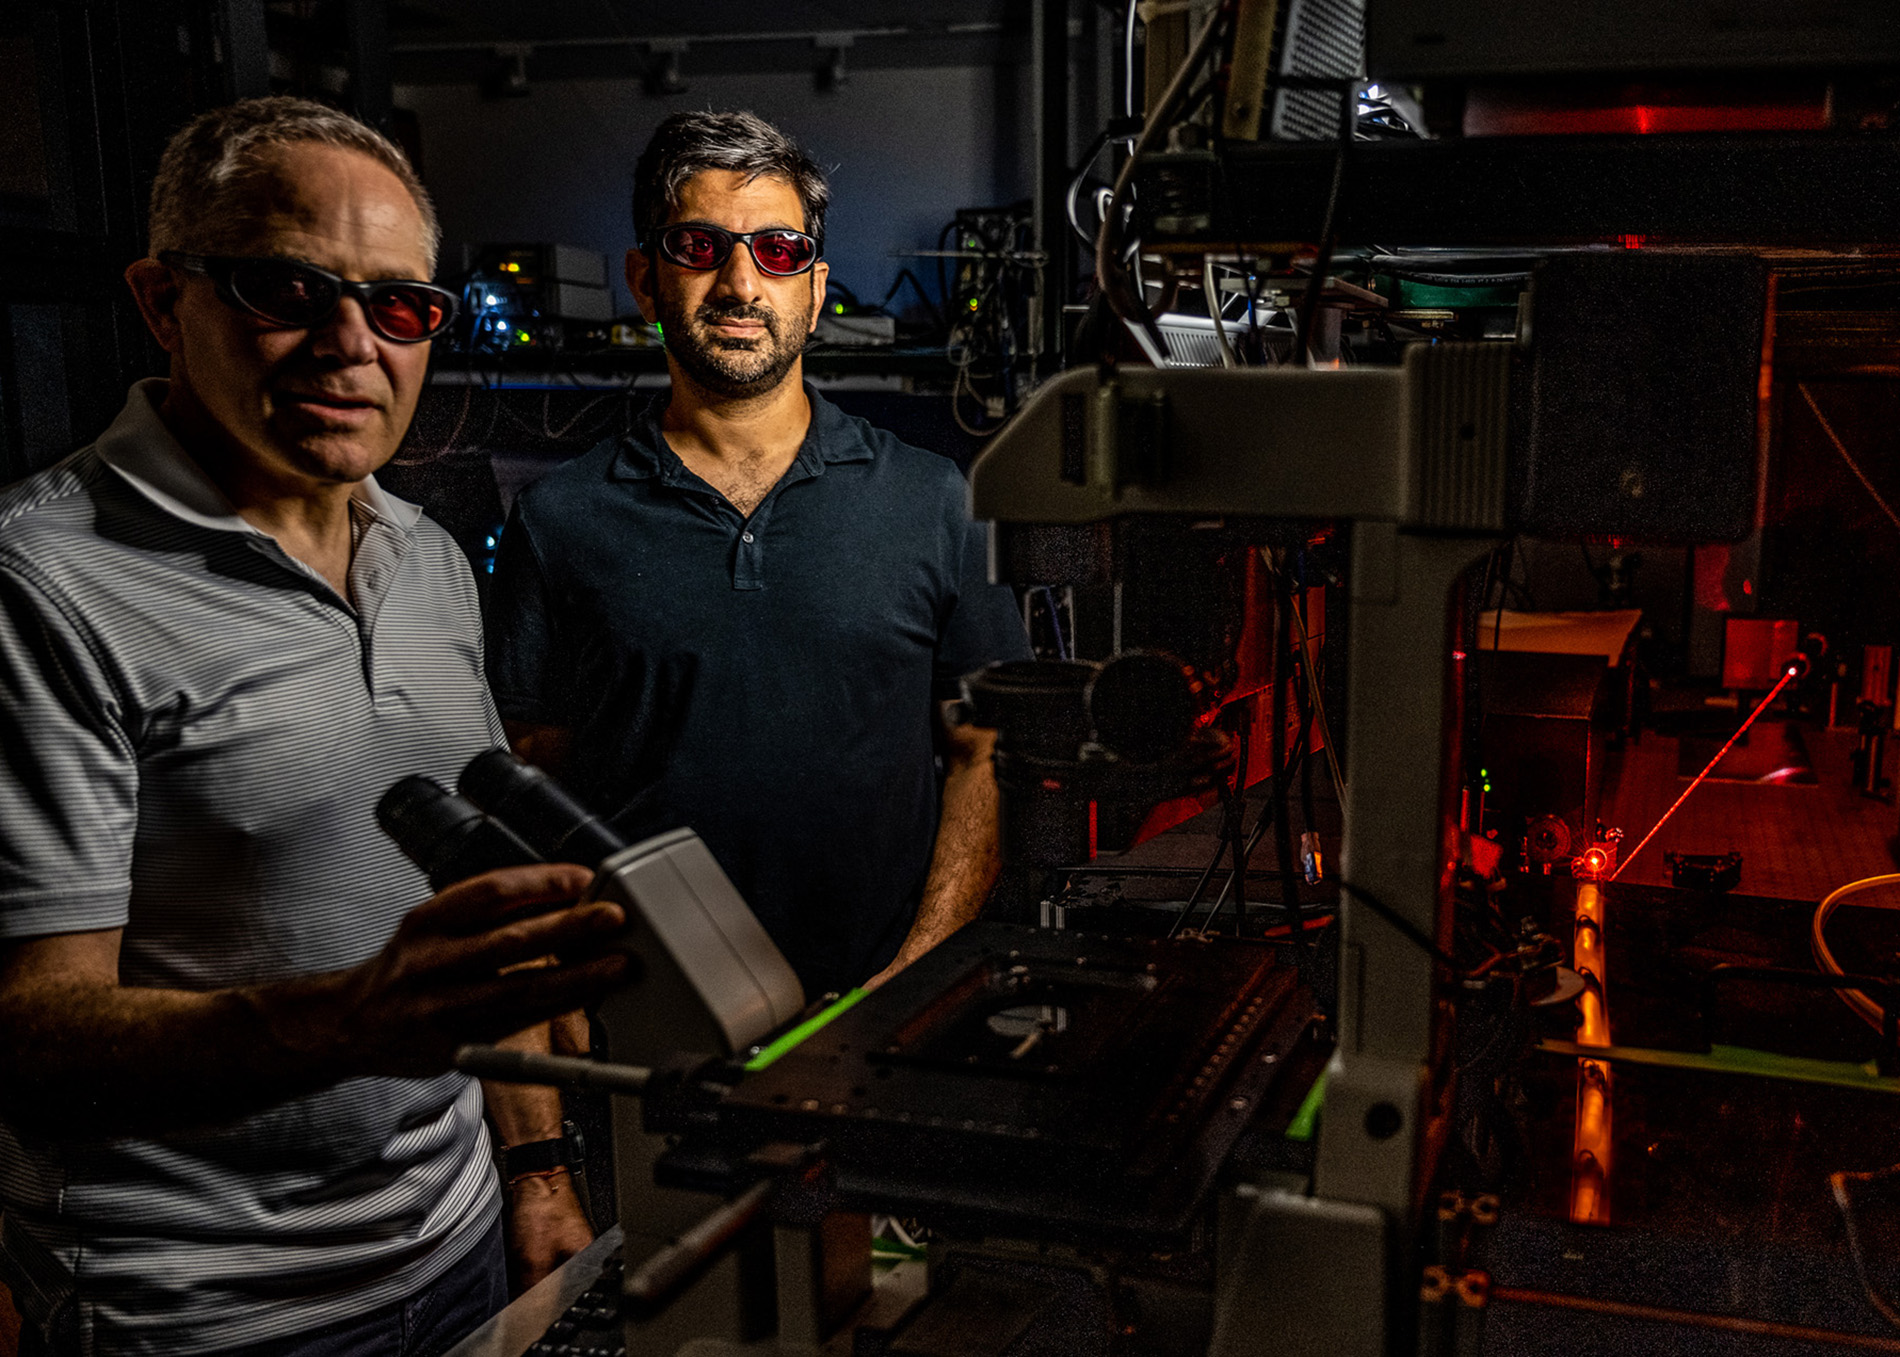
x: 1754, y: 649
x: 1711, y: 569
x: 1646, y: 109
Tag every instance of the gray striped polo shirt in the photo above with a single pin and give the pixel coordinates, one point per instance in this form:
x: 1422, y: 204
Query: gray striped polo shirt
x: 196, y: 730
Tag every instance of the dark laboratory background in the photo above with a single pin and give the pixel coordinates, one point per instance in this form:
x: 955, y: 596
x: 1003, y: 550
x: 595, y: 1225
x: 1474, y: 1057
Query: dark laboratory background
x: 972, y: 146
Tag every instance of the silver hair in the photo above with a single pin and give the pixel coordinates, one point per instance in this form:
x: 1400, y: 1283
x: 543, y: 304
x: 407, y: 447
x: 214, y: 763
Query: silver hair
x: 197, y: 199
x: 686, y: 144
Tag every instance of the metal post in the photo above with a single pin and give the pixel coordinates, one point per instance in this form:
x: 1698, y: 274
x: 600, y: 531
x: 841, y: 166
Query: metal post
x: 1399, y: 848
x: 1051, y: 55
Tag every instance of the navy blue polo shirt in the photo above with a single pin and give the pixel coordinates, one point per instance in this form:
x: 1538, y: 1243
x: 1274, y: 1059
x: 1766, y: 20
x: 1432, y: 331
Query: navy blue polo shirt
x: 770, y: 681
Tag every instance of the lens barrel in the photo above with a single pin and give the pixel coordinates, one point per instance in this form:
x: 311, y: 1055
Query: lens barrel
x: 523, y: 798
x: 444, y: 835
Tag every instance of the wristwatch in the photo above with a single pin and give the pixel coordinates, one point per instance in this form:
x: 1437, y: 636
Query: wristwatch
x: 541, y: 1156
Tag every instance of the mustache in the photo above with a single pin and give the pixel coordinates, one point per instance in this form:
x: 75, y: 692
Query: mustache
x: 713, y: 312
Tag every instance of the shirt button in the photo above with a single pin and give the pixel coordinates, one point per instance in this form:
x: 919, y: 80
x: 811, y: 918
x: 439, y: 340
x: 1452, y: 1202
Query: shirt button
x: 745, y: 537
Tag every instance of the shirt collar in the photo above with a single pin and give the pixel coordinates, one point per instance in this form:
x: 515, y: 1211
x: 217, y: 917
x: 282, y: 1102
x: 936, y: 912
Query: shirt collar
x: 833, y: 436
x: 146, y: 455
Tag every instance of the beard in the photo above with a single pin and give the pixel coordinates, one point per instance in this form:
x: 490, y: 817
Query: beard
x: 736, y: 368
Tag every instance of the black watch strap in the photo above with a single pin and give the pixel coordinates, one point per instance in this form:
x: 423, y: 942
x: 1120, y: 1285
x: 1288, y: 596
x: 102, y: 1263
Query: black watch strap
x: 540, y: 1156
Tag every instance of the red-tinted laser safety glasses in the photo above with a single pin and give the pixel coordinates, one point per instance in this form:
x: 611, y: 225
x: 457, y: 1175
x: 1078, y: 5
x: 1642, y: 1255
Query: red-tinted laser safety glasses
x: 779, y: 252
x: 300, y: 296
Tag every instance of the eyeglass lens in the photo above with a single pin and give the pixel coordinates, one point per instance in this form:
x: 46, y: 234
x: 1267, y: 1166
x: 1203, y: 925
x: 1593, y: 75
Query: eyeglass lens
x: 293, y: 295
x: 405, y: 312
x: 284, y: 291
x: 775, y: 252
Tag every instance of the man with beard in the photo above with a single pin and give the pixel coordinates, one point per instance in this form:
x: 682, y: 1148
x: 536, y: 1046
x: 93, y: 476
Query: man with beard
x: 743, y: 614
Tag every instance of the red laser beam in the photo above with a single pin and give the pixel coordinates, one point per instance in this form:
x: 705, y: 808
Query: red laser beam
x: 1787, y: 677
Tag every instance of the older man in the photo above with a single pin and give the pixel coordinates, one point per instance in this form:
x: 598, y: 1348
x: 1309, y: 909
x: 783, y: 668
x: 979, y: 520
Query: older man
x: 744, y: 612
x: 226, y: 1012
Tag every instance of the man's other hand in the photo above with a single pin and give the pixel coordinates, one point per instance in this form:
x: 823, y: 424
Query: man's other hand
x: 440, y: 982
x: 547, y: 1225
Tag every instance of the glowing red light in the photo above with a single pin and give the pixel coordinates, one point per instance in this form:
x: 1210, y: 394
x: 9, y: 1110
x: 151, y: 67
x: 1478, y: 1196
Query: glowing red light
x: 1748, y: 586
x: 1632, y: 241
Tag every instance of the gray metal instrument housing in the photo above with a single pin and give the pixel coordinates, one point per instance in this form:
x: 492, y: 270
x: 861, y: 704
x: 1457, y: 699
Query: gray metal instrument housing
x: 709, y: 979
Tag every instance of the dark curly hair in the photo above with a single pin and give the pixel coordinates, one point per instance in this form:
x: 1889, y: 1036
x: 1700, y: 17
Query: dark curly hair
x: 688, y: 143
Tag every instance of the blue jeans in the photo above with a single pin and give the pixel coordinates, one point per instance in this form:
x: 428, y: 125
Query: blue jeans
x: 428, y: 1323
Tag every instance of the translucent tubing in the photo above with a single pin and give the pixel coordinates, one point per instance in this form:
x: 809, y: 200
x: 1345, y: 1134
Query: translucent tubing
x: 1869, y: 1011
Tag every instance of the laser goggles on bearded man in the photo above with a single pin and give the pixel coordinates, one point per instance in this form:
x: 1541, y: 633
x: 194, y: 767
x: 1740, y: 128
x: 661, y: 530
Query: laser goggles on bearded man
x: 779, y: 251
x: 300, y: 296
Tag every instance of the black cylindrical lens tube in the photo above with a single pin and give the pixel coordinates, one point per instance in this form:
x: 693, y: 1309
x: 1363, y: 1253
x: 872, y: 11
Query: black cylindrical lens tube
x: 526, y: 800
x: 444, y: 835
